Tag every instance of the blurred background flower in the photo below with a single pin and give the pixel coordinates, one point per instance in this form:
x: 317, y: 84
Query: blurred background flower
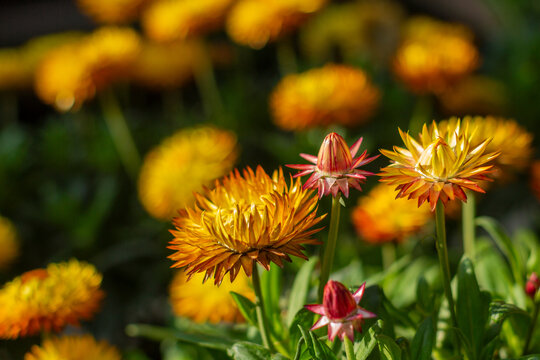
x: 9, y: 243
x: 73, y: 347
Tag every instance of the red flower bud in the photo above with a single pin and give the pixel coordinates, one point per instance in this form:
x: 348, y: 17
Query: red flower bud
x: 337, y: 300
x: 532, y: 285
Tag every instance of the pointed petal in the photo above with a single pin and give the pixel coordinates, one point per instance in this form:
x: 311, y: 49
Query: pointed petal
x: 316, y: 308
x: 359, y: 293
x: 310, y: 158
x: 323, y: 321
x: 356, y: 146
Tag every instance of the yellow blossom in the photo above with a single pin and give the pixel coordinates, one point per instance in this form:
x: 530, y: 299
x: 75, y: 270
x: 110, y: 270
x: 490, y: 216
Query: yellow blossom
x: 73, y: 347
x: 203, y: 301
x: 183, y: 164
x: 333, y: 94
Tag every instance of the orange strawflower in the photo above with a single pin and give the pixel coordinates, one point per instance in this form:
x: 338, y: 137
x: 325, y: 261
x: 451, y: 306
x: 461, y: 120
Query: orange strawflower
x: 439, y: 165
x: 73, y: 347
x: 49, y: 299
x: 335, y: 167
x: 434, y: 54
x: 247, y: 219
x: 379, y: 217
x: 333, y: 94
x: 203, y: 301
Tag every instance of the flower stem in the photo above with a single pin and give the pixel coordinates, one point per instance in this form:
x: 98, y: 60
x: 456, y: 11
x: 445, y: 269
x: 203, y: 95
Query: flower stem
x: 349, y: 348
x: 330, y: 248
x: 121, y: 136
x: 388, y: 254
x: 468, y: 215
x: 442, y: 251
x: 261, y: 317
x: 530, y: 332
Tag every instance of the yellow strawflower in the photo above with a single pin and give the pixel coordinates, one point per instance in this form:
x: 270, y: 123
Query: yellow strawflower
x: 112, y: 11
x: 434, y: 54
x: 73, y: 347
x: 183, y: 164
x: 379, y: 217
x: 205, y: 302
x: 49, y: 299
x: 9, y: 243
x: 439, y: 165
x: 254, y: 23
x: 247, y: 219
x: 70, y: 75
x: 333, y: 94
x: 168, y: 20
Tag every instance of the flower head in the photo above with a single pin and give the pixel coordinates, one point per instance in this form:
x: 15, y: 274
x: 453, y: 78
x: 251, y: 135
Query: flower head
x: 244, y: 220
x: 532, y: 285
x: 380, y: 218
x: 255, y: 23
x: 49, y: 299
x: 73, y: 347
x: 333, y: 94
x: 183, y: 164
x: 111, y: 11
x: 440, y: 165
x: 203, y: 302
x: 340, y: 311
x: 335, y: 168
x: 9, y: 243
x: 169, y: 20
x: 434, y: 54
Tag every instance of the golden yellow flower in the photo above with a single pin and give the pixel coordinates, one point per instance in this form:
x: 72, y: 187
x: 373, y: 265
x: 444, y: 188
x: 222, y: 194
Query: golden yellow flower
x: 434, y: 54
x: 439, y: 165
x: 112, y: 11
x: 256, y: 22
x: 168, y: 20
x: 203, y: 301
x: 379, y: 217
x: 475, y: 94
x: 333, y: 94
x: 363, y: 28
x: 246, y: 219
x: 183, y: 164
x: 49, y: 299
x: 166, y: 65
x: 70, y: 75
x: 73, y: 347
x: 512, y: 141
x: 9, y: 244
x: 535, y: 179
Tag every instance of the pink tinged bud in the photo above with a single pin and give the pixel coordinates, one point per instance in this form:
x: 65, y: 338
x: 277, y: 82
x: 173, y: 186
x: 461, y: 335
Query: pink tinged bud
x: 532, y: 285
x: 334, y: 155
x: 337, y: 300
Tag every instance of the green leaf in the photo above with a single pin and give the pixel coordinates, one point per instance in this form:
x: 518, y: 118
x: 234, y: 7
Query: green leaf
x: 245, y: 350
x: 364, y: 348
x: 499, y: 312
x: 246, y: 307
x: 422, y: 343
x: 316, y: 348
x: 424, y: 296
x: 504, y: 243
x: 304, y: 320
x: 472, y: 307
x: 271, y: 292
x: 300, y: 289
x: 279, y: 357
x: 388, y: 348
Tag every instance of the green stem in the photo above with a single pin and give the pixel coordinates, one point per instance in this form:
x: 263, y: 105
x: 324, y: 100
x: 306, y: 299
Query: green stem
x: 442, y: 251
x: 468, y: 215
x: 328, y: 252
x: 421, y: 113
x: 530, y: 332
x: 286, y: 57
x: 388, y: 254
x: 119, y: 130
x: 261, y: 317
x: 349, y: 348
x: 207, y: 85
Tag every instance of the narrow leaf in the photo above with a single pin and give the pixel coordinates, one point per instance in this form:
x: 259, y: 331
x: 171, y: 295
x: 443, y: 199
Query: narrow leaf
x: 388, y: 348
x: 246, y: 307
x: 368, y: 342
x: 300, y: 289
x: 249, y: 351
x: 422, y: 343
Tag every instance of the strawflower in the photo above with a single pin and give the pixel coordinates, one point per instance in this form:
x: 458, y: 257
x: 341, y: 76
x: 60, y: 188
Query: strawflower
x: 439, y: 165
x: 73, y: 347
x: 434, y: 54
x: 335, y: 167
x: 169, y: 20
x: 340, y: 310
x: 182, y: 164
x: 9, y: 243
x: 255, y: 23
x: 49, y: 299
x: 379, y: 217
x: 246, y: 219
x: 333, y: 94
x: 206, y: 302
